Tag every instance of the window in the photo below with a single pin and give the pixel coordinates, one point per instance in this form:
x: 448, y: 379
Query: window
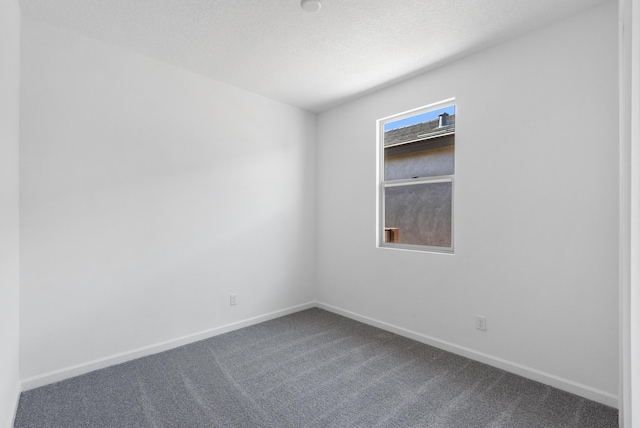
x: 416, y: 175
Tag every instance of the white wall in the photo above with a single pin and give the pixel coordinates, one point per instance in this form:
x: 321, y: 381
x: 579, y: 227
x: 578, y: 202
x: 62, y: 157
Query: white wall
x: 630, y: 212
x: 536, y: 209
x: 9, y: 219
x: 149, y: 194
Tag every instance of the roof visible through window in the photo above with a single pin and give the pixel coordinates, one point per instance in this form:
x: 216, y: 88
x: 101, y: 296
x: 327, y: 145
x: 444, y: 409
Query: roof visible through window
x: 424, y: 117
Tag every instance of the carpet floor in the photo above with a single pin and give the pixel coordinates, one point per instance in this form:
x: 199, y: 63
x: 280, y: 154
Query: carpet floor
x: 309, y: 369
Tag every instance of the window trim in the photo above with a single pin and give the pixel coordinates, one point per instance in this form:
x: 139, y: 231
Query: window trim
x: 381, y: 184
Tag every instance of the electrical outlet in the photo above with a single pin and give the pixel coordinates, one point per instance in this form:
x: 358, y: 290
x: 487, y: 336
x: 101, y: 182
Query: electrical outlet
x: 481, y: 323
x: 233, y: 299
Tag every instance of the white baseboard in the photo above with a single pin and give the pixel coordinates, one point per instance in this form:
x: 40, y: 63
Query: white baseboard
x: 519, y: 369
x: 62, y: 374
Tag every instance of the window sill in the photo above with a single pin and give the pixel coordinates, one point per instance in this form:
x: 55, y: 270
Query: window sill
x: 417, y: 248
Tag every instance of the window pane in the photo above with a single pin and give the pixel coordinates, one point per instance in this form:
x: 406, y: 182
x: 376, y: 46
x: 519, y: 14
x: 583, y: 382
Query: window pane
x: 417, y: 146
x: 421, y: 145
x: 413, y: 161
x: 419, y: 214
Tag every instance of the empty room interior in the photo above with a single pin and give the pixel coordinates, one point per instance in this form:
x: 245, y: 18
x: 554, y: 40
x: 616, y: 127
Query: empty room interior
x: 195, y: 174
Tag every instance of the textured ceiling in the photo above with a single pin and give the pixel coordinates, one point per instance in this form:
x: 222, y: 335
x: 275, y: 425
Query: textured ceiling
x: 310, y: 60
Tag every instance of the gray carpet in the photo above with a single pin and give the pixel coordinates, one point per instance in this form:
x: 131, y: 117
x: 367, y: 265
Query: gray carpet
x: 309, y: 369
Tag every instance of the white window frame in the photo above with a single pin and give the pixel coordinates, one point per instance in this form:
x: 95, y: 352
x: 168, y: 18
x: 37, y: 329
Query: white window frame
x: 382, y: 184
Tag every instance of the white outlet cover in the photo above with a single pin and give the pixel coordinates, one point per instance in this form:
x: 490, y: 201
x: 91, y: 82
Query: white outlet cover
x: 481, y: 323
